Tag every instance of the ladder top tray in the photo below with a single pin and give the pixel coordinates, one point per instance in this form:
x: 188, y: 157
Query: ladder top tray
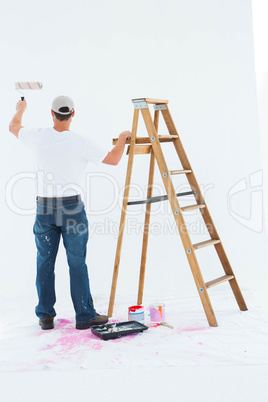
x: 152, y: 101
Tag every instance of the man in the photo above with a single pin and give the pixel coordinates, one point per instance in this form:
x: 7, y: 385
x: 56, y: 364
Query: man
x: 61, y: 157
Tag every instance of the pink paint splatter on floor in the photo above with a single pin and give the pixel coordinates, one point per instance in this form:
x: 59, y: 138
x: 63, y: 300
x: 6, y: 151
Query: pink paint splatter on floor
x: 47, y: 347
x: 154, y: 325
x: 97, y: 346
x: 190, y: 329
x: 69, y: 340
x: 72, y: 340
x: 124, y: 339
x: 45, y: 362
x: 61, y: 323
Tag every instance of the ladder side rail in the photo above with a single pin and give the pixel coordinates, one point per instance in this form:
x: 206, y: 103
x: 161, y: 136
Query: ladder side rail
x: 204, y: 211
x: 190, y: 177
x: 147, y: 217
x: 123, y: 213
x: 229, y: 271
x: 187, y: 244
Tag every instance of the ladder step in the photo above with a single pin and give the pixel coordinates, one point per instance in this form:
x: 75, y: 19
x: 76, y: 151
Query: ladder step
x: 205, y: 243
x: 191, y: 207
x: 180, y: 171
x: 219, y: 280
x: 146, y: 140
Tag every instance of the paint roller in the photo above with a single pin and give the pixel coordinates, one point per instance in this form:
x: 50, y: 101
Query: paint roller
x: 22, y: 86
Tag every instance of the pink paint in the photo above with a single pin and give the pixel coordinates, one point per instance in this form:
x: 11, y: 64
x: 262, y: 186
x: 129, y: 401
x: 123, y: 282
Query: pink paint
x: 97, y: 346
x: 62, y: 323
x: 157, y: 312
x: 192, y: 329
x: 124, y: 339
x: 47, y: 347
x: 157, y: 324
x: 71, y: 341
x: 45, y: 362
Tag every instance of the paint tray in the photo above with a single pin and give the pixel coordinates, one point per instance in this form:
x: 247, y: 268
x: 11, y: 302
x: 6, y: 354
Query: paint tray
x: 118, y: 329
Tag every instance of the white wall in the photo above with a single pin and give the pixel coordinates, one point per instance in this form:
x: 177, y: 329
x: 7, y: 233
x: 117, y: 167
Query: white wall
x: 260, y: 33
x: 199, y: 55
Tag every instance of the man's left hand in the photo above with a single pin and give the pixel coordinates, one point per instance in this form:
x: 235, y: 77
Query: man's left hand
x: 126, y: 135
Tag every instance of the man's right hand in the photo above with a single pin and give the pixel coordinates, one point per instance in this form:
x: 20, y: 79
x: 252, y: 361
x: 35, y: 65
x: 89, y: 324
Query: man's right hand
x: 15, y: 124
x: 21, y: 106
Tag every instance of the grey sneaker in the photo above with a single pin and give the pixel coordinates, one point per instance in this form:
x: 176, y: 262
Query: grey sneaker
x: 47, y: 323
x: 98, y: 320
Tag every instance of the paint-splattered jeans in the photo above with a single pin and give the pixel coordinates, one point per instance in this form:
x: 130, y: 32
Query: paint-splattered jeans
x: 55, y: 217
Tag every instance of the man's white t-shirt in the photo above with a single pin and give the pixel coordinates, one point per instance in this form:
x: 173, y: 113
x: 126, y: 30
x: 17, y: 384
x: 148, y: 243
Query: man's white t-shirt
x: 60, y: 160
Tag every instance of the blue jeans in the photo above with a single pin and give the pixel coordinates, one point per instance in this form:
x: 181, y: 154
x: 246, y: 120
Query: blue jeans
x: 67, y: 217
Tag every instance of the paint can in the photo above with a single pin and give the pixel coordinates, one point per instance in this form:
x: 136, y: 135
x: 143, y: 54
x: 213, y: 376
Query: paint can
x: 157, y: 312
x: 136, y: 313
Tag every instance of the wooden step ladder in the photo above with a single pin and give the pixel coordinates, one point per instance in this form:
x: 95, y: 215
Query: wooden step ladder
x: 151, y: 145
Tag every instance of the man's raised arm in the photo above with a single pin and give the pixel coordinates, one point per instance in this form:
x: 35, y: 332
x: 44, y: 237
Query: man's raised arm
x: 15, y: 124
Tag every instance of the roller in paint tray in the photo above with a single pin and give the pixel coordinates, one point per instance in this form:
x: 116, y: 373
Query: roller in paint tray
x: 116, y: 330
x: 23, y: 86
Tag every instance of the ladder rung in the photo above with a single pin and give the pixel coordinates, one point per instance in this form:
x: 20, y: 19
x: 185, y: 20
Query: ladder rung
x: 191, y: 207
x: 146, y: 140
x: 140, y: 149
x: 152, y: 101
x: 180, y: 171
x: 205, y: 243
x: 219, y: 280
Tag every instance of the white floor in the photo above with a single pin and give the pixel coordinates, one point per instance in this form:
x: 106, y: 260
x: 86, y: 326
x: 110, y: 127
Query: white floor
x: 186, y: 384
x: 191, y: 362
